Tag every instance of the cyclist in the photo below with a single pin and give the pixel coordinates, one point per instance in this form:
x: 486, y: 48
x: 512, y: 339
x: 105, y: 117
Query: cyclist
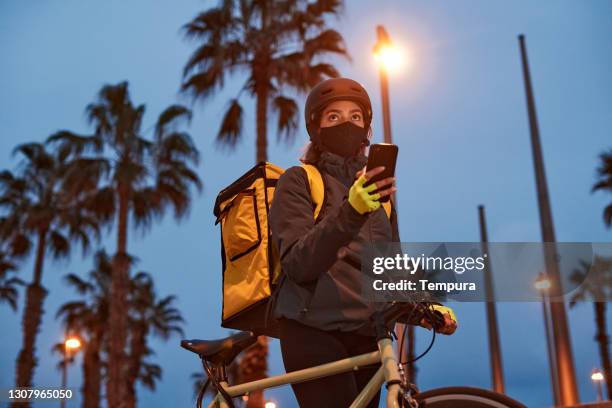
x: 321, y: 313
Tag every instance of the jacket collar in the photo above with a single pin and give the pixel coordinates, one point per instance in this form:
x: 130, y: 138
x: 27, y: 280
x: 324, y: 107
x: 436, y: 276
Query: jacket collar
x: 341, y: 168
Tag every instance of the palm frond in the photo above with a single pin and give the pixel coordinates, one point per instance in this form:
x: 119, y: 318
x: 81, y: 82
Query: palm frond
x: 170, y: 118
x: 287, y: 112
x: 59, y: 244
x: 231, y: 125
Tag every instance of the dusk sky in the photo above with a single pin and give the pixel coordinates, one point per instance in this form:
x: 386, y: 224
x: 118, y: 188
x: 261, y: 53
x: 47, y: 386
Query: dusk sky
x: 459, y: 119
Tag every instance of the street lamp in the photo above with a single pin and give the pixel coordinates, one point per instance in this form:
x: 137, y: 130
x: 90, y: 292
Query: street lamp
x: 72, y: 343
x: 389, y: 58
x: 598, y: 377
x: 71, y: 346
x: 270, y: 404
x: 543, y: 285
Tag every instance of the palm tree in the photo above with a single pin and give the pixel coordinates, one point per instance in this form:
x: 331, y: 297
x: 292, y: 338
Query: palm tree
x: 37, y: 205
x: 148, y: 315
x: 604, y: 182
x: 145, y: 178
x: 594, y: 282
x: 277, y: 44
x: 88, y: 316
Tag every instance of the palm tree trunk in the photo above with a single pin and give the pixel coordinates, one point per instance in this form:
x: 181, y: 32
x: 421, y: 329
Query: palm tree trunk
x: 91, y: 373
x: 603, y: 340
x: 116, y: 383
x: 32, y: 317
x: 262, y: 122
x: 138, y: 347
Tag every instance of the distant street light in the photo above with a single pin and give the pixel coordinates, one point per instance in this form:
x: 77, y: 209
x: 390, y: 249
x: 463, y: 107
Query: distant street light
x: 71, y: 346
x: 598, y: 377
x: 72, y: 343
x: 270, y: 404
x: 542, y: 284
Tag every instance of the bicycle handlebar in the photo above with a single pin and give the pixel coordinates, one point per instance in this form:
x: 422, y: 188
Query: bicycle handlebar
x: 407, y: 313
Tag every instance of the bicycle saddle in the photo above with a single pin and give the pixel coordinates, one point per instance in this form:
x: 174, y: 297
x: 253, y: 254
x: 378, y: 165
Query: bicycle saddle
x: 221, y: 351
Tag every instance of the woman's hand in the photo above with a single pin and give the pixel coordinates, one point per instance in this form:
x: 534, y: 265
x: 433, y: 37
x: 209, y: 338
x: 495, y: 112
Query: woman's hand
x: 450, y: 320
x: 359, y: 196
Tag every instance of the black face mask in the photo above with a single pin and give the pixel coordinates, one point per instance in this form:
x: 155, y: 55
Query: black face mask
x: 344, y: 139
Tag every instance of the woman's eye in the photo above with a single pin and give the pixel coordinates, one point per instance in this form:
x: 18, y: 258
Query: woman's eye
x: 332, y: 117
x: 356, y: 116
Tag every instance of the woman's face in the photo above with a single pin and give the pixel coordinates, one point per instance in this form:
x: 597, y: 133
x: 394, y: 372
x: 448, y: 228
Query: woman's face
x: 339, y: 112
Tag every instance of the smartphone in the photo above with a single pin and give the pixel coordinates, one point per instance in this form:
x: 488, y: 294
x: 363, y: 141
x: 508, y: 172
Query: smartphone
x: 382, y: 154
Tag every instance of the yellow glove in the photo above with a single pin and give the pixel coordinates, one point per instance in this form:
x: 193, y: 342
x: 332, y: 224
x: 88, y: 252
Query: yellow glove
x: 361, y: 199
x: 450, y: 320
x: 445, y: 310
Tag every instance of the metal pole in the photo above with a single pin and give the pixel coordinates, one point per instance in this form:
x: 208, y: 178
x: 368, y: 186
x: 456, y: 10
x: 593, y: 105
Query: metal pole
x: 64, y: 376
x: 560, y: 331
x: 384, y: 89
x: 599, y: 391
x: 497, y: 374
x: 549, y: 347
x: 383, y: 38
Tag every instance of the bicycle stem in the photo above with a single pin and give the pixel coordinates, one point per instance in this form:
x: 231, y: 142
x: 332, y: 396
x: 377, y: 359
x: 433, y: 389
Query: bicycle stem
x: 390, y: 370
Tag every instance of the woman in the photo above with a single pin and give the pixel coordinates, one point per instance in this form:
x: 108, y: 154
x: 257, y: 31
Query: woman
x: 322, y: 315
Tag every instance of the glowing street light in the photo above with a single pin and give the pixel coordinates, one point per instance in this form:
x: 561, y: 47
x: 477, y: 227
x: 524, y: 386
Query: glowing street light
x: 542, y: 283
x: 389, y: 57
x: 270, y: 404
x: 72, y: 343
x: 598, y: 377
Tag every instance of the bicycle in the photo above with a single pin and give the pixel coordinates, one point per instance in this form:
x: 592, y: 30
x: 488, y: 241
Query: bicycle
x: 216, y: 355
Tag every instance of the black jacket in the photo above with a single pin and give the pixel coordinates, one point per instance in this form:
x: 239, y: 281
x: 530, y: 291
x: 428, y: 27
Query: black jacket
x: 321, y: 286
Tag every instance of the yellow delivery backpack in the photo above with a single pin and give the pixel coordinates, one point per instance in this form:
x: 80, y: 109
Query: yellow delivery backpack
x: 250, y: 260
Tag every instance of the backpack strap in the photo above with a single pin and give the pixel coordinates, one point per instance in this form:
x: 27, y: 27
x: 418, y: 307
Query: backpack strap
x: 387, y: 208
x: 317, y: 190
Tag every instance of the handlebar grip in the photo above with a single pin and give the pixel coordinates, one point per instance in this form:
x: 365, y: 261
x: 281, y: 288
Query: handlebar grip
x: 412, y: 313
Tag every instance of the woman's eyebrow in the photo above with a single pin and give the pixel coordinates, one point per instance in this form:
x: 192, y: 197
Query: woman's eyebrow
x: 333, y: 110
x: 340, y: 111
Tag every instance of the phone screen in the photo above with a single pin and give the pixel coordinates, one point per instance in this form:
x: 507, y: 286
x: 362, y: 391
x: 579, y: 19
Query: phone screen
x: 382, y: 154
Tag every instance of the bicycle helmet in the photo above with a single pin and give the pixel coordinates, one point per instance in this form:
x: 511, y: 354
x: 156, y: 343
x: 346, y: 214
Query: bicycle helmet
x: 332, y: 90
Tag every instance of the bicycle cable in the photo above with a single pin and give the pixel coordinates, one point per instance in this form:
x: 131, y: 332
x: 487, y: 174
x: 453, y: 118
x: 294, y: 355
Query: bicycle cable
x: 401, y: 348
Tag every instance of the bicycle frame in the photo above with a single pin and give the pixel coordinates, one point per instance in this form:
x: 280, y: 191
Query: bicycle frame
x: 388, y: 372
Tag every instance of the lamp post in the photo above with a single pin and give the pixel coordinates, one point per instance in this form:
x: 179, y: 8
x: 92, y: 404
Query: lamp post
x: 542, y: 284
x: 71, y: 346
x: 389, y: 58
x: 568, y: 391
x: 598, y: 377
x: 497, y: 372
